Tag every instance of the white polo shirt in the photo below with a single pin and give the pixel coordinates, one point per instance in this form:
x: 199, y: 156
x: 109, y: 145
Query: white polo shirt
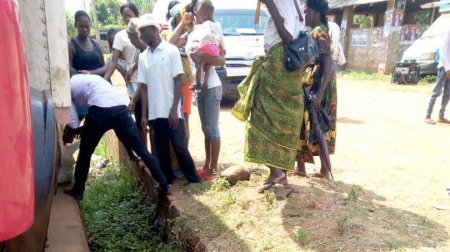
x: 157, y: 70
x: 92, y: 90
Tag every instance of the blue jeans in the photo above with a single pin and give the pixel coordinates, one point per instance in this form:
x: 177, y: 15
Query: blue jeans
x: 442, y: 83
x: 98, y: 122
x: 209, y: 110
x: 162, y: 135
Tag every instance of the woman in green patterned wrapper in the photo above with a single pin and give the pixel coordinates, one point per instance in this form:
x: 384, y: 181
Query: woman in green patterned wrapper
x: 321, y: 77
x: 272, y: 98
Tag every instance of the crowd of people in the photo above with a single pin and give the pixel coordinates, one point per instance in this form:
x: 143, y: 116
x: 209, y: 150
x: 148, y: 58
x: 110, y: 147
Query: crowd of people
x: 158, y: 68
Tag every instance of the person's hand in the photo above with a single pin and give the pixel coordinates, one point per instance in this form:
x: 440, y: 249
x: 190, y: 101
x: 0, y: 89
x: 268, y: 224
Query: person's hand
x: 128, y: 75
x: 144, y: 123
x: 316, y: 102
x: 131, y: 105
x: 188, y: 18
x: 196, y: 56
x: 204, y: 89
x: 84, y: 72
x: 173, y: 119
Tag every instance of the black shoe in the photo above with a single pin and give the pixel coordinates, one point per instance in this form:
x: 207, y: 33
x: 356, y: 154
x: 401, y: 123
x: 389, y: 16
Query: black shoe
x: 73, y: 193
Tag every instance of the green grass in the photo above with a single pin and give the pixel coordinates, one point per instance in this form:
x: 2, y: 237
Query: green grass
x: 101, y: 150
x: 119, y: 216
x: 363, y: 76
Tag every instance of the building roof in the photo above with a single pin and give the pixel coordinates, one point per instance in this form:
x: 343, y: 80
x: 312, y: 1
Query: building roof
x: 337, y: 4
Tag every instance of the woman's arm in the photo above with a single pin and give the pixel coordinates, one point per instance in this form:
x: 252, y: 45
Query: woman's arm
x: 278, y: 20
x: 113, y: 64
x: 327, y: 65
x: 144, y: 102
x: 178, y: 37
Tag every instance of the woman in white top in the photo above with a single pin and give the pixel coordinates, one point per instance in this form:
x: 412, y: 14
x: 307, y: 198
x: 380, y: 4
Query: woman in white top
x: 123, y: 49
x: 208, y: 103
x: 272, y: 98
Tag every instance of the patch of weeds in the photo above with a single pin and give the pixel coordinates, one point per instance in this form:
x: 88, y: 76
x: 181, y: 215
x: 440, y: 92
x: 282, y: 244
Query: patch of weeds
x: 363, y: 76
x: 227, y: 200
x: 241, y: 183
x: 219, y: 225
x: 427, y: 79
x: 244, y: 204
x: 342, y: 224
x: 300, y: 234
x: 269, y: 198
x: 425, y: 222
x: 220, y: 184
x: 100, y: 150
x: 117, y: 214
x: 197, y: 188
x: 360, y: 212
x: 355, y: 193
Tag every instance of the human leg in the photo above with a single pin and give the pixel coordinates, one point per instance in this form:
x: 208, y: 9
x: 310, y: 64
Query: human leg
x: 300, y: 170
x: 437, y: 91
x: 128, y: 134
x: 212, y: 112
x: 178, y: 140
x: 445, y: 99
x: 276, y: 176
x: 160, y: 129
x: 201, y: 111
x: 92, y: 132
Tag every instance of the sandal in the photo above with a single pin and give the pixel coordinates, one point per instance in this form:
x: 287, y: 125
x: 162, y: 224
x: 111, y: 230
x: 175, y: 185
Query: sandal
x: 301, y: 174
x: 269, y: 184
x: 204, y: 176
x: 430, y: 121
x: 443, y: 120
x: 317, y: 174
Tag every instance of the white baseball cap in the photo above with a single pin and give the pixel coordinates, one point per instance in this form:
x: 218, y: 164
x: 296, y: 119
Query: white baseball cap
x: 148, y: 20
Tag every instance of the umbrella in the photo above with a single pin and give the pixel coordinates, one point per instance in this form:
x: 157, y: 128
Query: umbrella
x: 319, y: 125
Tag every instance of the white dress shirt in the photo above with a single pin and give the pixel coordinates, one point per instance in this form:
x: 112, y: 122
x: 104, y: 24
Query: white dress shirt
x: 157, y: 70
x: 92, y: 90
x: 444, y: 51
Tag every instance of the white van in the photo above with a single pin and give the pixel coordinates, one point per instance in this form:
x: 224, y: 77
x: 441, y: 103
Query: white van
x: 423, y: 51
x: 244, y: 40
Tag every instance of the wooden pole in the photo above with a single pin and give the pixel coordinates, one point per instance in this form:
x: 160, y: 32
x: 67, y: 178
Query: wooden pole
x: 258, y: 11
x: 94, y: 17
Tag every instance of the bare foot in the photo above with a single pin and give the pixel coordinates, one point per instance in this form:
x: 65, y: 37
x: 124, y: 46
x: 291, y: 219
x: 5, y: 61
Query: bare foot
x: 321, y: 174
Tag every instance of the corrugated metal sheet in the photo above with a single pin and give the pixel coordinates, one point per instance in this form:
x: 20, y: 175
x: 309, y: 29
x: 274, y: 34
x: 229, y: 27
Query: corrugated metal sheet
x: 336, y: 4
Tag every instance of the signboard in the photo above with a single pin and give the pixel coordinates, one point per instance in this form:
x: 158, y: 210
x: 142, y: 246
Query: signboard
x: 360, y: 38
x: 388, y: 23
x: 397, y: 19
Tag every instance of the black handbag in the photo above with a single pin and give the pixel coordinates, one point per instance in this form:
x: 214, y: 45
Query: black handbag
x: 301, y: 51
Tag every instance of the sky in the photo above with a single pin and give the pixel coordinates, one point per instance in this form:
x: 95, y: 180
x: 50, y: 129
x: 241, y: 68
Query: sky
x: 73, y: 5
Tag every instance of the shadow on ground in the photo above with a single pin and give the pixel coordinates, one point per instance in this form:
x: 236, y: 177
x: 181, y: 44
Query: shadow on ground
x: 334, y: 216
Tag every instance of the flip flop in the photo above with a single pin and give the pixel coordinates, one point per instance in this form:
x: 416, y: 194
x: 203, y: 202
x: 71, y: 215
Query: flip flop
x: 443, y: 120
x: 267, y: 185
x: 201, y: 173
x: 301, y: 174
x: 430, y: 121
x: 317, y: 174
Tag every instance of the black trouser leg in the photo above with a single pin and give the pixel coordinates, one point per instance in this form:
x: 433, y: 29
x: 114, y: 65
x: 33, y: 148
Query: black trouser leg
x: 93, y: 130
x: 187, y: 165
x: 160, y: 129
x: 128, y: 134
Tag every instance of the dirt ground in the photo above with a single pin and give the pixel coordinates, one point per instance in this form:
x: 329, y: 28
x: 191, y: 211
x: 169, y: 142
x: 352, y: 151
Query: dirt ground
x: 390, y: 170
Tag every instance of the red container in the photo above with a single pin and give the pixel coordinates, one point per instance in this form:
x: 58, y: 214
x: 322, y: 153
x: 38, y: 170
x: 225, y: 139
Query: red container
x: 16, y: 142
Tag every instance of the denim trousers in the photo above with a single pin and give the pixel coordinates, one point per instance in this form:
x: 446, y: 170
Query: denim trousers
x: 98, y: 121
x: 162, y: 135
x: 209, y: 111
x: 442, y: 87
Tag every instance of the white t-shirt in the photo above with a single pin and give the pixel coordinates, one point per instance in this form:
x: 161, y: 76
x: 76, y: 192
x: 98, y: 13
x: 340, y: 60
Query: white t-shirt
x: 193, y: 41
x: 292, y: 23
x: 122, y: 43
x: 156, y: 70
x: 92, y: 90
x: 444, y: 51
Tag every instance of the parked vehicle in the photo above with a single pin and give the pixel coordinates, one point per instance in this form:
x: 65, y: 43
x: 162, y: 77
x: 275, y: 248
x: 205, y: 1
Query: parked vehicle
x: 29, y: 153
x: 420, y: 58
x: 244, y: 40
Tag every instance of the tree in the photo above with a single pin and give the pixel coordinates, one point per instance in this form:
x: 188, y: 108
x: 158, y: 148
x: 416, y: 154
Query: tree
x: 70, y: 23
x: 108, y: 12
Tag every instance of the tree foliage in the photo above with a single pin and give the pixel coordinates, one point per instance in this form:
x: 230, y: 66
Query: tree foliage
x: 108, y: 12
x: 70, y: 23
x: 364, y: 21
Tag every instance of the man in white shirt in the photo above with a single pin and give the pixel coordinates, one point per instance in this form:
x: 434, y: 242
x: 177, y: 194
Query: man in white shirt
x: 442, y: 81
x: 107, y: 110
x: 159, y: 73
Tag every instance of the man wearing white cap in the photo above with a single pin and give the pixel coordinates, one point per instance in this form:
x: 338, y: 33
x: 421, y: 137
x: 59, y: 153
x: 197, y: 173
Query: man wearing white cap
x: 160, y: 71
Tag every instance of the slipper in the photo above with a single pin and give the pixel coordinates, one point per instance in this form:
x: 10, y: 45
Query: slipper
x: 443, y: 120
x: 430, y: 121
x: 201, y: 173
x: 317, y: 174
x: 301, y: 174
x: 269, y: 184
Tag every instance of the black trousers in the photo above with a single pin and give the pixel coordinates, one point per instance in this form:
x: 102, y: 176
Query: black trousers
x: 162, y: 135
x: 98, y: 121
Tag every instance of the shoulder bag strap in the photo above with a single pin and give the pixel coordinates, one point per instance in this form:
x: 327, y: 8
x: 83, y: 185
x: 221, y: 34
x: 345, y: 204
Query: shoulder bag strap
x: 300, y: 16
